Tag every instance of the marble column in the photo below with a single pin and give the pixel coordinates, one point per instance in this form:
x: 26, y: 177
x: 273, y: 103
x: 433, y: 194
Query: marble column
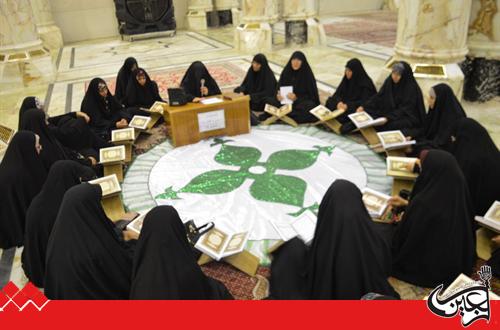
x: 432, y: 37
x: 48, y: 31
x: 255, y: 33
x: 482, y: 66
x: 197, y: 14
x: 23, y: 59
x: 228, y: 11
x: 301, y: 24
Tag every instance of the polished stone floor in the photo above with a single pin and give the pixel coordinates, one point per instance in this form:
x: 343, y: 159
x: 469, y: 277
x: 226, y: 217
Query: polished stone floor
x: 78, y: 63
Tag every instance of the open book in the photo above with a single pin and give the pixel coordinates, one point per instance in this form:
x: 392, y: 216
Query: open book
x: 222, y: 241
x: 123, y: 135
x: 399, y: 167
x: 461, y: 282
x: 140, y: 122
x: 324, y: 114
x: 364, y: 120
x: 112, y: 155
x: 302, y: 227
x: 109, y: 185
x: 491, y: 220
x: 375, y: 202
x: 278, y: 112
x: 136, y: 224
x: 394, y: 140
x: 158, y: 107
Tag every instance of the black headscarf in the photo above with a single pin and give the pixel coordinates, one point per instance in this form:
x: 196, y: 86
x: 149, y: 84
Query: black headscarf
x: 141, y: 96
x: 164, y: 264
x: 439, y: 120
x: 28, y: 104
x: 86, y: 259
x: 302, y: 80
x: 348, y: 258
x: 434, y: 241
x: 356, y: 90
x: 261, y: 83
x: 191, y: 82
x: 42, y: 214
x: 123, y: 77
x: 22, y: 175
x: 34, y: 120
x: 399, y: 101
x: 104, y: 112
x: 479, y: 158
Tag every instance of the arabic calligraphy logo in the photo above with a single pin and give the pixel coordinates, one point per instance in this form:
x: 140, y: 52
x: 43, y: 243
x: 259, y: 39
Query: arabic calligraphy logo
x: 267, y: 185
x: 472, y: 302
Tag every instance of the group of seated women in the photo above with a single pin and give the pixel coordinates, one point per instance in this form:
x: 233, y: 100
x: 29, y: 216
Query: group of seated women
x: 74, y: 251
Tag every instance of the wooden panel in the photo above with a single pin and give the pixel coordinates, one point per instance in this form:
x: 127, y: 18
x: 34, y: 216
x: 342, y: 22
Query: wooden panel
x: 114, y: 169
x: 113, y: 207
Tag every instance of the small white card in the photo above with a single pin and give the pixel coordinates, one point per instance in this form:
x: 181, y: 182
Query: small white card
x: 284, y: 91
x: 211, y: 121
x: 211, y: 100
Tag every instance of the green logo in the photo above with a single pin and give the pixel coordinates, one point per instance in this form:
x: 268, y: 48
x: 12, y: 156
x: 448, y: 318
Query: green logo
x: 267, y: 186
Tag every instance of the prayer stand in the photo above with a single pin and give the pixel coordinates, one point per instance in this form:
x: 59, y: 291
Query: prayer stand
x: 279, y: 114
x: 126, y: 138
x: 331, y: 121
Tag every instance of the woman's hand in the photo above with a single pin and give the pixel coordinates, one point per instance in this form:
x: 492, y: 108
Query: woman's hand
x: 279, y: 97
x: 130, y: 235
x: 360, y: 109
x: 341, y: 106
x: 122, y: 123
x: 196, y: 100
x: 292, y: 96
x: 204, y: 91
x: 397, y: 201
x: 93, y: 161
x: 83, y: 115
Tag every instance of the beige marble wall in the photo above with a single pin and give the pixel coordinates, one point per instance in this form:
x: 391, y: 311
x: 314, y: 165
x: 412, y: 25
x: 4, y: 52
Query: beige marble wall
x: 299, y: 9
x: 434, y: 31
x: 18, y: 26
x: 329, y: 7
x: 484, y: 29
x: 47, y: 29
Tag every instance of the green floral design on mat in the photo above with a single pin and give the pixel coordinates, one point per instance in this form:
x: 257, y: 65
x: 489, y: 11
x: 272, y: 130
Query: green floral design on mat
x: 267, y: 187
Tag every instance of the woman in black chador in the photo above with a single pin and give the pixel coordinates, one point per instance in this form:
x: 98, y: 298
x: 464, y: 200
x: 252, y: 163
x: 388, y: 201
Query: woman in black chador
x: 87, y: 257
x: 305, y: 96
x: 105, y: 112
x: 123, y: 77
x: 42, y: 214
x: 142, y: 92
x: 164, y: 264
x: 197, y: 83
x: 22, y: 175
x: 399, y: 101
x: 346, y: 260
x: 434, y: 242
x: 355, y: 89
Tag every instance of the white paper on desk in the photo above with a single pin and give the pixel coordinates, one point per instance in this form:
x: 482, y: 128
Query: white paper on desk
x: 212, y: 120
x: 284, y: 91
x: 212, y: 100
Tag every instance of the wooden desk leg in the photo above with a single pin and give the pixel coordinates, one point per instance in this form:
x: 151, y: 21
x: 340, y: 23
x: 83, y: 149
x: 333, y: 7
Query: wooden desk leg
x: 128, y: 153
x: 244, y: 261
x: 395, y: 153
x: 289, y: 121
x: 113, y: 207
x: 114, y: 169
x: 370, y: 135
x: 334, y: 125
x: 399, y: 184
x: 270, y: 120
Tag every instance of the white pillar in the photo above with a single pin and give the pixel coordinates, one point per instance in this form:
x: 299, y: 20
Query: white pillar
x: 48, y: 31
x: 197, y: 14
x: 23, y: 59
x: 301, y: 23
x: 432, y: 37
x: 255, y: 34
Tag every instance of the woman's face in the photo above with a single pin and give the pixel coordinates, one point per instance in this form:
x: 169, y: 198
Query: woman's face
x: 431, y: 100
x: 396, y: 77
x: 134, y: 66
x: 256, y: 66
x: 38, y: 146
x: 348, y: 73
x: 141, y: 80
x: 103, y: 90
x: 39, y: 104
x: 296, y: 64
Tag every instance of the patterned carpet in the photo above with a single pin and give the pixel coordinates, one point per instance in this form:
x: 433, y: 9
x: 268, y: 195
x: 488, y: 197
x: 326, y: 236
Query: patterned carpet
x: 378, y: 28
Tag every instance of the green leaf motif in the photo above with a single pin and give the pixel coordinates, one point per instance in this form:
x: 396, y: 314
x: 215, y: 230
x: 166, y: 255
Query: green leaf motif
x: 293, y: 159
x: 168, y: 194
x: 215, y: 182
x: 282, y: 189
x: 238, y: 156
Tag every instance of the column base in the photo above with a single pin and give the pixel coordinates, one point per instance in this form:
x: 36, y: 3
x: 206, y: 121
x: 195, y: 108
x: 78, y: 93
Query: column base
x: 308, y: 31
x: 254, y: 37
x: 51, y: 37
x: 21, y: 74
x: 196, y: 20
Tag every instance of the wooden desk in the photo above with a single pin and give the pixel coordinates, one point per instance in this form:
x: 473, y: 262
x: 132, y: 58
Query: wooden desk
x: 182, y: 121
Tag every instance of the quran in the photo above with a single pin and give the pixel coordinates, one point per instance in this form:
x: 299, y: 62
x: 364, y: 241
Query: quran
x: 221, y: 242
x: 375, y: 202
x: 399, y: 167
x: 112, y: 155
x: 278, y: 112
x: 136, y: 224
x: 491, y: 219
x: 363, y: 120
x: 463, y: 281
x: 123, y: 135
x: 394, y: 140
x: 139, y: 122
x: 303, y: 227
x: 157, y: 107
x: 109, y: 185
x: 324, y: 114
